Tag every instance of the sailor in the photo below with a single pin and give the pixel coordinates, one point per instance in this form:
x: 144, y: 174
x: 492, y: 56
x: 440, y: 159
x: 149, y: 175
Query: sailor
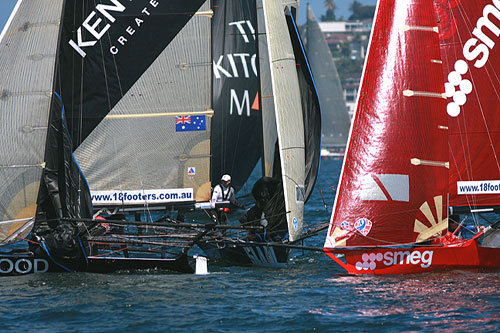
x: 224, y: 192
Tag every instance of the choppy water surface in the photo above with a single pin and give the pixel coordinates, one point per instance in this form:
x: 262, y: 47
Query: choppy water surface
x: 312, y: 294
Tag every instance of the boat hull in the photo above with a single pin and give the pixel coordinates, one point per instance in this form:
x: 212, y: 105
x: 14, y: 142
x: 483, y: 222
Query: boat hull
x: 467, y: 255
x: 112, y: 264
x: 22, y: 263
x: 239, y: 254
x: 27, y: 263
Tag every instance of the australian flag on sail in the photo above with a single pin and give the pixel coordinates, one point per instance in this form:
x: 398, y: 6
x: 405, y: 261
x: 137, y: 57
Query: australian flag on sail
x: 190, y: 123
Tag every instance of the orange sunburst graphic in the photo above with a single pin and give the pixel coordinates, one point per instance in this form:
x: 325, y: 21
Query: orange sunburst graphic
x: 431, y: 222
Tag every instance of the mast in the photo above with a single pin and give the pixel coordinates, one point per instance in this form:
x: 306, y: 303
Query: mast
x: 394, y: 181
x: 288, y: 110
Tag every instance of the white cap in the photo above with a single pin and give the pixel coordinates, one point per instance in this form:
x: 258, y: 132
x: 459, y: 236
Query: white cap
x: 226, y: 178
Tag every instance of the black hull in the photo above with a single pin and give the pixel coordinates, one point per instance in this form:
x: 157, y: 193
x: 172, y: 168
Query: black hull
x: 110, y: 264
x: 241, y: 255
x: 27, y: 263
x: 22, y: 263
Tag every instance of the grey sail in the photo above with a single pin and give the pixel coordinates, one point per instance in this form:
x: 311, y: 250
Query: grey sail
x: 334, y: 115
x: 28, y: 47
x: 269, y: 133
x: 141, y: 145
x: 288, y: 113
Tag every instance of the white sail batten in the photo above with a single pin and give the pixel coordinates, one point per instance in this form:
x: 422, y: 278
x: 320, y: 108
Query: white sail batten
x: 28, y: 47
x: 208, y: 113
x: 288, y: 113
x: 138, y: 147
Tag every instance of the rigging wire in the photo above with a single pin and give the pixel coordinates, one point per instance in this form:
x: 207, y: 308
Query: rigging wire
x: 324, y: 202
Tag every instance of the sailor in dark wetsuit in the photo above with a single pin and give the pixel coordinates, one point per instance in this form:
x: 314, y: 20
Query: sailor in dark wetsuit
x: 268, y: 212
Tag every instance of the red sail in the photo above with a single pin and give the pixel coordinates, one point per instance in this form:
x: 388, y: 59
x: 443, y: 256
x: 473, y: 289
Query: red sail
x: 471, y: 61
x: 394, y: 181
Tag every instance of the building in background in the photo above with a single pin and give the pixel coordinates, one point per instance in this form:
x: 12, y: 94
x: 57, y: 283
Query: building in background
x: 335, y: 119
x: 348, y: 41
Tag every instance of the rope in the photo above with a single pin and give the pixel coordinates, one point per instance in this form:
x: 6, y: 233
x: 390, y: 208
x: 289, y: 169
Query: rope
x: 28, y: 240
x: 55, y: 261
x: 83, y: 251
x: 108, y: 253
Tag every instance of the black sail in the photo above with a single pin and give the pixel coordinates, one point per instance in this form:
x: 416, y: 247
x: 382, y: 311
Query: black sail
x: 310, y: 109
x: 64, y: 192
x: 236, y: 141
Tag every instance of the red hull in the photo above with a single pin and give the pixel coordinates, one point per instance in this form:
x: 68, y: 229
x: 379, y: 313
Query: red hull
x: 410, y: 260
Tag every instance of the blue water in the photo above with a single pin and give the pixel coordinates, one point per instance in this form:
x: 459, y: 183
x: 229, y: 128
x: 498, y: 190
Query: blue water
x: 311, y: 294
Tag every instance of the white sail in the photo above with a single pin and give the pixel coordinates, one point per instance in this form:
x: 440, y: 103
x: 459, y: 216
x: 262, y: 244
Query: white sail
x: 28, y: 47
x: 136, y: 147
x: 268, y: 117
x: 288, y: 113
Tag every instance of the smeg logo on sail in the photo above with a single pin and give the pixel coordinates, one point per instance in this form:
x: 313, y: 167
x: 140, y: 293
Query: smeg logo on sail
x: 391, y: 258
x: 477, y: 50
x: 97, y: 28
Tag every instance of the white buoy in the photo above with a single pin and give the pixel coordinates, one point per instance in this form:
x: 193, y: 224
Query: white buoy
x: 201, y: 265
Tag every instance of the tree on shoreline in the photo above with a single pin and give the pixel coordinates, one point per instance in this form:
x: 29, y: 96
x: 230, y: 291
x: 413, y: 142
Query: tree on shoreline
x: 330, y: 11
x: 360, y: 12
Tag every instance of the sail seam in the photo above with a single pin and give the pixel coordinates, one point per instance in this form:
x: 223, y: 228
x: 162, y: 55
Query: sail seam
x: 288, y: 148
x: 27, y: 26
x: 25, y: 93
x: 186, y: 157
x: 283, y: 59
